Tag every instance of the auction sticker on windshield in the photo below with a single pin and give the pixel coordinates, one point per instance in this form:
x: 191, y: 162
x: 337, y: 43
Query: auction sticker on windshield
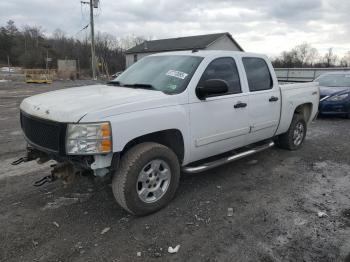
x: 177, y: 74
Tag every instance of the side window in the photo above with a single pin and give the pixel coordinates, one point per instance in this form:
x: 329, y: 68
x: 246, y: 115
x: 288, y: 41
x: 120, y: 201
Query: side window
x: 225, y: 69
x: 258, y: 74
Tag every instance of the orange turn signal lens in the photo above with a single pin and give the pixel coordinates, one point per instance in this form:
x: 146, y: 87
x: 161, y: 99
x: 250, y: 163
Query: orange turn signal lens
x: 106, y: 146
x: 105, y: 130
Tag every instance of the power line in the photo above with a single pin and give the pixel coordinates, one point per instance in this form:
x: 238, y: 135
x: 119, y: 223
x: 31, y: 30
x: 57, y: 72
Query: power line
x: 82, y: 29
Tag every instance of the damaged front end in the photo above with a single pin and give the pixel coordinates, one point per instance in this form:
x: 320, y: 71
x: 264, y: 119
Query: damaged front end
x: 70, y: 168
x: 78, y: 149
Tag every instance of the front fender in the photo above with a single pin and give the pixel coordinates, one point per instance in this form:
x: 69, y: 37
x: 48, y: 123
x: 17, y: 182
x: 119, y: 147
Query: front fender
x: 128, y: 126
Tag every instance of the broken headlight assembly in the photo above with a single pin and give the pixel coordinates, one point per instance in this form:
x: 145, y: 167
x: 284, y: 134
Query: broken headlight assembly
x: 89, y: 139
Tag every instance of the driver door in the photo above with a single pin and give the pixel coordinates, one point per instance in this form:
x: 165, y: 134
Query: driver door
x: 220, y: 123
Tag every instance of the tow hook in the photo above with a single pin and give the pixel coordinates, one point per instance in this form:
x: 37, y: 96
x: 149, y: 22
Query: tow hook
x: 30, y: 155
x: 44, y: 180
x: 20, y: 160
x: 64, y: 171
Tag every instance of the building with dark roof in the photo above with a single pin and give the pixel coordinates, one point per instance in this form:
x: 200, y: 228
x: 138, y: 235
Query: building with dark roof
x: 220, y: 41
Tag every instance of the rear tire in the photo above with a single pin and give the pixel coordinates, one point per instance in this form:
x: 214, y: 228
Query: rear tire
x: 147, y: 178
x: 294, y: 138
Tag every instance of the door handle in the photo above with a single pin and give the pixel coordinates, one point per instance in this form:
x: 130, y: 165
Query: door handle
x: 240, y: 105
x: 273, y: 99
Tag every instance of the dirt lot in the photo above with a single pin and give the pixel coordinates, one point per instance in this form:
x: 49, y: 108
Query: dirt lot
x: 276, y: 197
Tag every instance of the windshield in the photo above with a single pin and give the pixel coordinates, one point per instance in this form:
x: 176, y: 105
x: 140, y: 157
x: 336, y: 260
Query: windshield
x: 169, y: 74
x: 336, y: 80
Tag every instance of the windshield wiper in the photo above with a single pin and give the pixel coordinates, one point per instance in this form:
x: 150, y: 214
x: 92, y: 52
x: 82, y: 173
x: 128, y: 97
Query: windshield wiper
x: 145, y: 86
x: 114, y: 83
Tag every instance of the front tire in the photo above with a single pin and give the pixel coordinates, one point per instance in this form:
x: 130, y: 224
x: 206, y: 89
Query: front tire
x: 294, y: 138
x: 147, y: 178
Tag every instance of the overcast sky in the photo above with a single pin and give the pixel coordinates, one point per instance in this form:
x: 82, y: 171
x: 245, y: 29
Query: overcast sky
x: 265, y: 26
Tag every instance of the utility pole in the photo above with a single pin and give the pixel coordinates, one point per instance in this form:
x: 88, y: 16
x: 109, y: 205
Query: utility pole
x: 93, y: 4
x: 93, y: 61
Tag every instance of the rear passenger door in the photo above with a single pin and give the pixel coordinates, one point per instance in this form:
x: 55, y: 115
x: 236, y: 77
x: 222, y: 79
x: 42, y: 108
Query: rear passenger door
x: 264, y: 99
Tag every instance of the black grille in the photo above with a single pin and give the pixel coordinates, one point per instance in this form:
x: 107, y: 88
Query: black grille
x: 42, y: 133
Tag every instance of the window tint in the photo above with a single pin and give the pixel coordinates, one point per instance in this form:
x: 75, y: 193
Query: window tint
x: 258, y: 74
x: 225, y: 69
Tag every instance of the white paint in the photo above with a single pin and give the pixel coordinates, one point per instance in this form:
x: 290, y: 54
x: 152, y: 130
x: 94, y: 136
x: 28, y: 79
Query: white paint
x: 209, y: 127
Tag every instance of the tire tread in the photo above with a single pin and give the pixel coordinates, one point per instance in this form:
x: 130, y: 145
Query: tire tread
x: 128, y: 160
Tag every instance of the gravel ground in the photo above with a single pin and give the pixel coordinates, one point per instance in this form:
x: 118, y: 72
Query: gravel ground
x: 287, y: 206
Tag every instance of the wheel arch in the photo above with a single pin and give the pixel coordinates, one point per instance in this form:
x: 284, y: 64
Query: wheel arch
x: 171, y: 138
x: 305, y: 110
x: 289, y: 110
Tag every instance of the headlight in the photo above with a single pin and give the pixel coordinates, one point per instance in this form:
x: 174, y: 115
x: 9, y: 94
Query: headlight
x: 337, y: 97
x: 88, y: 139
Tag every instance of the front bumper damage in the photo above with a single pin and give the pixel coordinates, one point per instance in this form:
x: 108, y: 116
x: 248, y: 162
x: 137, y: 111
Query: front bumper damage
x: 69, y: 168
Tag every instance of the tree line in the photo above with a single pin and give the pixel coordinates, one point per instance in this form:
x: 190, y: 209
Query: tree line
x: 29, y: 47
x: 304, y: 55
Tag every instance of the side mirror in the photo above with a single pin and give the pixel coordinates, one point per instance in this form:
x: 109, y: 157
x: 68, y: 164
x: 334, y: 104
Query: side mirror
x: 211, y: 87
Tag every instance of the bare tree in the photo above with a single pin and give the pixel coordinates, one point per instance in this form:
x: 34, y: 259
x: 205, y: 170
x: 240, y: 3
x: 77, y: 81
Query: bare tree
x: 131, y: 41
x: 345, y: 61
x: 330, y: 58
x: 305, y: 54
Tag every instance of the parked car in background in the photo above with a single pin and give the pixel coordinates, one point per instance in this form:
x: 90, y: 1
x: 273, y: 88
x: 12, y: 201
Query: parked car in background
x: 334, y: 94
x: 189, y: 111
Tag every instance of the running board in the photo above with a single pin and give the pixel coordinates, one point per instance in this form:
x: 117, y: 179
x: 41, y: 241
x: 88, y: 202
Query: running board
x: 225, y: 160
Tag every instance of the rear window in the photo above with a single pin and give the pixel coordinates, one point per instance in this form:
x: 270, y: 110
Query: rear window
x: 258, y: 74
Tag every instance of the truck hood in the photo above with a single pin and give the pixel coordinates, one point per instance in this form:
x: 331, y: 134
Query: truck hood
x: 72, y: 104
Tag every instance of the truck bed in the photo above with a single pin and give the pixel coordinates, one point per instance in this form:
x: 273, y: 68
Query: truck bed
x: 297, y: 94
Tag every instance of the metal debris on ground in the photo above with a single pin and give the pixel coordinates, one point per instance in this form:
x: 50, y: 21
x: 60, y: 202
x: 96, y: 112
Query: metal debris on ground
x: 56, y: 224
x: 35, y: 243
x: 321, y: 214
x: 173, y: 250
x: 138, y: 254
x: 230, y: 212
x: 105, y: 230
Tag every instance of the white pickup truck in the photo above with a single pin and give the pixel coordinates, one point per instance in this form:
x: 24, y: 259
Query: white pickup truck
x: 169, y: 112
